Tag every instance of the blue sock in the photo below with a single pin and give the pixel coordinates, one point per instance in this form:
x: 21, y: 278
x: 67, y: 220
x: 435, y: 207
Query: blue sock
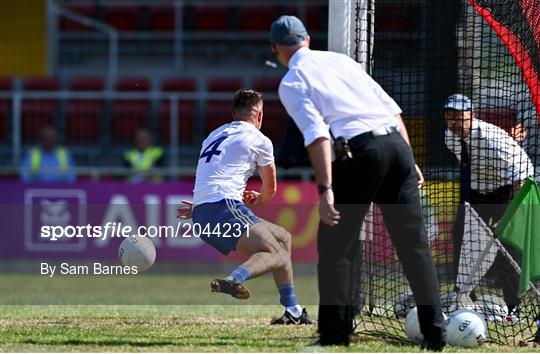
x: 240, y: 274
x: 287, y: 295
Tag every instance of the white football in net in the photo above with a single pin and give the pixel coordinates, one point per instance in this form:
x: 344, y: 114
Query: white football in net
x: 466, y: 328
x: 137, y: 251
x: 412, y: 326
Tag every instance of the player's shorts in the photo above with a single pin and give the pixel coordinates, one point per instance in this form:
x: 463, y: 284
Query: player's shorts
x: 222, y: 223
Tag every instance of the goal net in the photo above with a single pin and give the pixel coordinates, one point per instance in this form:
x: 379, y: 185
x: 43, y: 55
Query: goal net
x: 421, y: 52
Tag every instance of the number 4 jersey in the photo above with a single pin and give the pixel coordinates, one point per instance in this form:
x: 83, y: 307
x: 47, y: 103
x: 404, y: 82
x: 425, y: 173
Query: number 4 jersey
x: 229, y: 156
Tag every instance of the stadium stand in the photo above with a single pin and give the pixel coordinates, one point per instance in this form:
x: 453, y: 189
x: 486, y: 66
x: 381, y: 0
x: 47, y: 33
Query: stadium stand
x: 275, y: 116
x: 215, y: 18
x: 83, y: 117
x: 219, y: 112
x: 218, y: 37
x: 38, y: 113
x: 187, y: 110
x: 162, y: 17
x: 87, y: 10
x: 123, y: 17
x: 129, y: 115
x: 256, y: 18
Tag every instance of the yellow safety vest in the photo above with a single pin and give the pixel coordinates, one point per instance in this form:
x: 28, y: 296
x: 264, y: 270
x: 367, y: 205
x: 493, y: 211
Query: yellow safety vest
x: 146, y: 161
x: 35, y: 159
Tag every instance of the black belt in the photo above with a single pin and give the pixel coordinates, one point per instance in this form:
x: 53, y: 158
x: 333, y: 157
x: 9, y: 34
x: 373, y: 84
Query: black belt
x: 360, y: 139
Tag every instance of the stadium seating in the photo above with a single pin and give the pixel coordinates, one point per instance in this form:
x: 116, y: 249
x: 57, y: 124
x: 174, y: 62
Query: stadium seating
x: 38, y: 113
x: 187, y: 110
x: 218, y: 112
x: 256, y: 18
x: 162, y: 18
x: 269, y: 85
x: 123, y: 17
x: 211, y: 18
x: 5, y: 107
x: 275, y: 116
x: 314, y: 17
x: 81, y: 9
x: 129, y: 115
x: 83, y: 116
x: 274, y: 121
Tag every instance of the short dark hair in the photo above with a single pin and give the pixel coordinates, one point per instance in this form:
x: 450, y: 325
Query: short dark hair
x: 245, y: 99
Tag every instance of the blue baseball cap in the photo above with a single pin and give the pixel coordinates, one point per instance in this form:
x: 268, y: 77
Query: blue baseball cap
x: 459, y: 102
x: 287, y: 30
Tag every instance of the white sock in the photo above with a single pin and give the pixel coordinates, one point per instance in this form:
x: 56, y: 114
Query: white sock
x: 229, y: 278
x: 296, y: 310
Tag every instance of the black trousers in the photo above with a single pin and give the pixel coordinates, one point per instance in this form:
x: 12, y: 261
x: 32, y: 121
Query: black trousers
x: 491, y: 207
x: 382, y: 170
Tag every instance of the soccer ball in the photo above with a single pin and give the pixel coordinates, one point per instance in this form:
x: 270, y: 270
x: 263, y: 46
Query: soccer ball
x: 466, y: 328
x: 137, y: 251
x: 412, y: 326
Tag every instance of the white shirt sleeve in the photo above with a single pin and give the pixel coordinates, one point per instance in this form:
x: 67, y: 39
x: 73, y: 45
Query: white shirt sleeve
x: 264, y: 151
x: 515, y: 165
x: 300, y: 107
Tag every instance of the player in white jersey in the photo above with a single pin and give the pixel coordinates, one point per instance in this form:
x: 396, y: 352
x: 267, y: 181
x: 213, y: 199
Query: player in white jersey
x: 229, y: 156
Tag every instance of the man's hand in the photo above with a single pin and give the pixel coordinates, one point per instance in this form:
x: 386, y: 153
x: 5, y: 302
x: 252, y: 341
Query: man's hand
x: 518, y: 132
x: 328, y: 214
x: 419, y: 176
x: 185, y: 210
x: 251, y: 198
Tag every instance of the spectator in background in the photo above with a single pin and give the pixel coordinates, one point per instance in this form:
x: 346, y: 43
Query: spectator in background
x: 144, y: 158
x: 493, y: 168
x: 48, y: 162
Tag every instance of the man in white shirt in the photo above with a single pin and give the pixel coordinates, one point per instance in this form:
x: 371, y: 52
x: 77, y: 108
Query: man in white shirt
x: 221, y: 214
x: 329, y: 95
x: 493, y: 168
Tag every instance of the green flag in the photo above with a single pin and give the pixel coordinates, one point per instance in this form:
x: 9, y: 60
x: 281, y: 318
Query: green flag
x: 520, y: 227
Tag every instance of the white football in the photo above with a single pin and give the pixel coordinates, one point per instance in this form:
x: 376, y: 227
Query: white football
x: 466, y: 328
x: 137, y: 251
x: 412, y: 326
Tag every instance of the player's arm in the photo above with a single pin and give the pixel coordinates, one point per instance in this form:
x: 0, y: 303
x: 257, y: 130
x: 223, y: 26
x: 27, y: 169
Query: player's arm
x: 297, y: 102
x: 321, y: 159
x: 268, y: 188
x: 269, y: 182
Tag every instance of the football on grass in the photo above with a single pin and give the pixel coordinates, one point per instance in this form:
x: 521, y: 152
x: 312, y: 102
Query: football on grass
x: 137, y: 251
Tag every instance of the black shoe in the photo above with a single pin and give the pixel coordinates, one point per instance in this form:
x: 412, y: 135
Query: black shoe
x: 437, y: 346
x: 288, y: 319
x: 231, y: 287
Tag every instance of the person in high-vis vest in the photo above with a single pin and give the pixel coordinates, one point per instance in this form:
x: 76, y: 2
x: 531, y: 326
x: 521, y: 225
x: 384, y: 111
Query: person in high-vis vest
x: 48, y: 162
x: 144, y: 158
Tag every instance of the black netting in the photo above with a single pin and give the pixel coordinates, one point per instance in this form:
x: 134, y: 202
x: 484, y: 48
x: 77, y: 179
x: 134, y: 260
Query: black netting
x: 421, y: 53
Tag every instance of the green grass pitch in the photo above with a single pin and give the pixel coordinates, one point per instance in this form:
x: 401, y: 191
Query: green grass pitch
x: 185, y: 317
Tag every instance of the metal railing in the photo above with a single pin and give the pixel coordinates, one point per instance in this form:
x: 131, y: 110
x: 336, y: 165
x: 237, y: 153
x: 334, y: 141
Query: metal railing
x: 178, y: 36
x: 95, y: 174
x: 54, y: 11
x: 172, y: 98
